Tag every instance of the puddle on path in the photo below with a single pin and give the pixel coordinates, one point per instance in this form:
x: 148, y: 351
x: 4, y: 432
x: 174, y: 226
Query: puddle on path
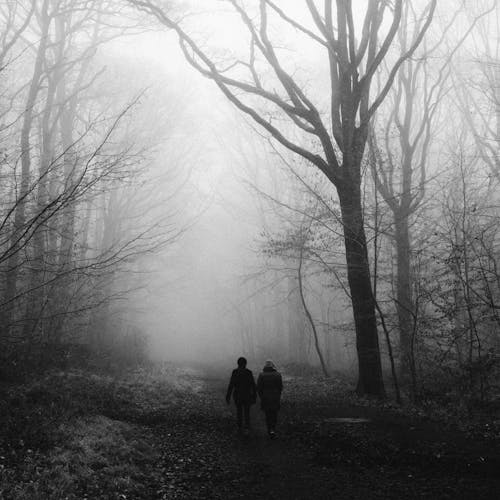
x: 347, y: 420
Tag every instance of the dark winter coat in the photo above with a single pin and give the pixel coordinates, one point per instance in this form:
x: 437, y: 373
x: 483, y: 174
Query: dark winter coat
x: 242, y: 385
x: 269, y: 387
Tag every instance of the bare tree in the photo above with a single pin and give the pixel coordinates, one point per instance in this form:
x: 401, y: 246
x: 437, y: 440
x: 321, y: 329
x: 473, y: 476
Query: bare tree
x: 399, y: 160
x: 15, y: 18
x: 399, y: 168
x: 74, y: 165
x: 25, y: 149
x: 341, y: 134
x: 312, y: 323
x: 478, y: 85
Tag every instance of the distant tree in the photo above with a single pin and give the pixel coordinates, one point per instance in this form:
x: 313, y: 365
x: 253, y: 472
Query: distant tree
x: 478, y: 84
x: 21, y: 197
x: 399, y: 146
x: 15, y: 18
x: 74, y: 181
x: 461, y: 285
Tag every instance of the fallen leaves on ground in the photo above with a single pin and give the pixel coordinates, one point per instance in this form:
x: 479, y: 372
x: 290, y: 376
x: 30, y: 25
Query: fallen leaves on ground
x: 166, y: 433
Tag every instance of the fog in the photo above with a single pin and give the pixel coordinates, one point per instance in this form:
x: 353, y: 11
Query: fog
x: 208, y: 296
x: 249, y: 249
x: 219, y: 186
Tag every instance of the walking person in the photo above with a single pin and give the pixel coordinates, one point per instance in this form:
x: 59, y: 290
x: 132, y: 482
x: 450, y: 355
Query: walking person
x: 242, y: 386
x: 269, y: 388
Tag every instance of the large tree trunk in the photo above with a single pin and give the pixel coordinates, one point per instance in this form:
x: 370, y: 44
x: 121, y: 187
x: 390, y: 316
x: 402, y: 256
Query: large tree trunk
x: 370, y: 379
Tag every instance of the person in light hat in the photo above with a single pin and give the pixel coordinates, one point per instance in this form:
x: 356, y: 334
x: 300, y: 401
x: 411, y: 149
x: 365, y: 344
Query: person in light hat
x: 269, y: 388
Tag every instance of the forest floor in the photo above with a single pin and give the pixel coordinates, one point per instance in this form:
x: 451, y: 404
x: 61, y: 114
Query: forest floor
x: 167, y: 433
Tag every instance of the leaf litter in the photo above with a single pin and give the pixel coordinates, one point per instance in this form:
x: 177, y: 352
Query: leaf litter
x: 165, y: 432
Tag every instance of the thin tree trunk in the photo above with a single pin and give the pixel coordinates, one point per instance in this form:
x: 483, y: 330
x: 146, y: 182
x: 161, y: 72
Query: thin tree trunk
x: 21, y: 199
x: 308, y: 314
x: 296, y: 343
x: 391, y: 354
x: 36, y: 296
x: 404, y: 301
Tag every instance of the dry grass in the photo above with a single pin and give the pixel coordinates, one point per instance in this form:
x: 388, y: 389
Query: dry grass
x: 77, y: 435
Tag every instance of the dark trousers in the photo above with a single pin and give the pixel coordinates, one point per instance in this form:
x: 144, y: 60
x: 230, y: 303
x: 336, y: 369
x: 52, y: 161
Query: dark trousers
x: 243, y: 414
x: 271, y: 419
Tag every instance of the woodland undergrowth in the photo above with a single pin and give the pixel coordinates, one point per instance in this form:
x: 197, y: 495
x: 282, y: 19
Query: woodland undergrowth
x: 77, y: 434
x: 156, y: 430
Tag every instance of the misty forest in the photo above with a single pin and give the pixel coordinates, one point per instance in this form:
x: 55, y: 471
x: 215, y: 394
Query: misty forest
x: 311, y: 185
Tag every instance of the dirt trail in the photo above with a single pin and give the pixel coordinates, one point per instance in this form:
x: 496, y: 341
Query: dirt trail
x: 319, y: 453
x: 215, y: 461
x: 165, y: 433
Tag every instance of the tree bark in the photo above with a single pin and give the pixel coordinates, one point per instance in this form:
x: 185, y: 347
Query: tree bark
x: 370, y: 379
x: 404, y: 305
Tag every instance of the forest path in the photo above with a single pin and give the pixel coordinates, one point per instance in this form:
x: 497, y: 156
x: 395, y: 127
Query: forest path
x: 205, y: 457
x: 320, y: 453
x: 164, y: 432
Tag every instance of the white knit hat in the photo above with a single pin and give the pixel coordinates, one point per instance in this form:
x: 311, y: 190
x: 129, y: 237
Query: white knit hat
x: 269, y: 364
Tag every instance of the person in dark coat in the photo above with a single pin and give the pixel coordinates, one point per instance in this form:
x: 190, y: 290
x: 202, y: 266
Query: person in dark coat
x: 242, y: 386
x: 269, y: 388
